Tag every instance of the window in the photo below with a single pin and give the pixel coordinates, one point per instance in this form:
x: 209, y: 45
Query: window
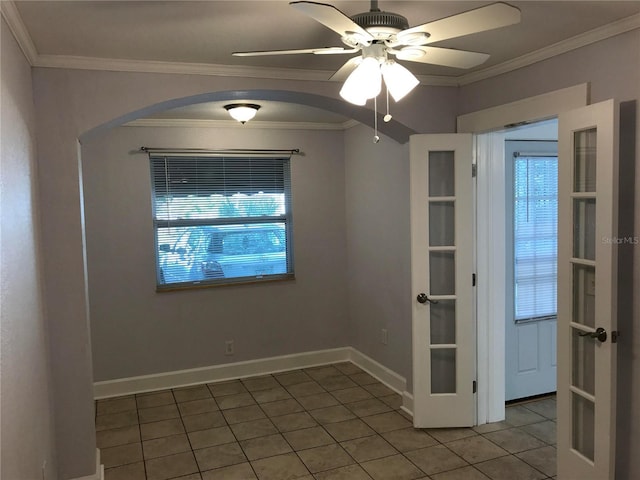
x: 535, y: 236
x: 221, y: 219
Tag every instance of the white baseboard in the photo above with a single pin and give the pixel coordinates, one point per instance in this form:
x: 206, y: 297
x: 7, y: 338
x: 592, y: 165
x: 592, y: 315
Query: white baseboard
x: 263, y: 366
x: 99, y: 475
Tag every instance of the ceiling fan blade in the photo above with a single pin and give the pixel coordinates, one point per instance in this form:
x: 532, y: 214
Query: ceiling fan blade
x: 481, y: 19
x: 446, y: 57
x: 346, y: 69
x: 317, y: 51
x: 331, y: 17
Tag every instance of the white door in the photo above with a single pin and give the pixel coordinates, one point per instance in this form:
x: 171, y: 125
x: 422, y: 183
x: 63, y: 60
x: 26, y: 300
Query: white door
x: 587, y: 212
x: 442, y: 259
x: 532, y: 237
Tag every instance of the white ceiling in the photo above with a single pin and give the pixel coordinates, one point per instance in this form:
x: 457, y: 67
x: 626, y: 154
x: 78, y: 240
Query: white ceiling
x: 207, y: 32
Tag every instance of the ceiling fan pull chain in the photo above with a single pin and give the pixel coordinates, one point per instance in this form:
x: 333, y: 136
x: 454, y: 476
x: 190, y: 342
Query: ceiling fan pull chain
x: 376, y: 138
x: 387, y: 118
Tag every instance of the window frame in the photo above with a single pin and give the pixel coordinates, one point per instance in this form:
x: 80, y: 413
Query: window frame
x: 221, y: 222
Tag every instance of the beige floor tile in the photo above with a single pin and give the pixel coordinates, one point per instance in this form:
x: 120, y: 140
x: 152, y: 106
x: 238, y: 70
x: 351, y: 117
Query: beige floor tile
x: 337, y: 413
x: 242, y: 471
x: 211, y: 437
x: 118, y: 436
x: 203, y: 421
x: 476, y: 449
x: 323, y: 458
x: 368, y: 448
x: 219, y: 456
x: 163, y: 446
x: 262, y: 447
x: 188, y: 394
x: 121, y: 455
x: 318, y: 373
x: 514, y: 440
x: 193, y: 476
x: 163, y: 428
x: 385, y: 422
x: 339, y: 382
x: 293, y: 421
x: 134, y: 471
x: 115, y: 405
x: 172, y: 466
x: 155, y: 414
x: 353, y: 394
x: 394, y: 400
x: 363, y: 378
x: 509, y: 468
x: 464, y: 473
x: 148, y: 400
x: 236, y: 400
x: 271, y: 395
x: 408, y: 439
x: 227, y: 388
x: 319, y: 400
x: 366, y: 408
x: 253, y: 429
x: 350, y: 472
x: 282, y: 407
x: 547, y: 407
x: 491, y: 427
x: 305, y: 388
x: 243, y: 414
x: 378, y: 390
x: 291, y: 378
x: 349, y: 429
x: 280, y: 467
x: 396, y: 468
x: 545, y: 431
x: 193, y: 407
x: 444, y: 435
x: 543, y: 459
x: 254, y: 384
x: 348, y: 368
x: 518, y: 415
x: 308, y: 438
x: 116, y: 420
x: 435, y: 459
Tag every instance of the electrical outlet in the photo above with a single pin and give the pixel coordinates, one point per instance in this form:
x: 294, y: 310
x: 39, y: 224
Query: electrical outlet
x: 384, y: 336
x: 228, y: 347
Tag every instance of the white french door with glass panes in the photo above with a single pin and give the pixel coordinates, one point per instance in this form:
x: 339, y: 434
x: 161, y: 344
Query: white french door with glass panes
x: 444, y: 342
x: 587, y: 289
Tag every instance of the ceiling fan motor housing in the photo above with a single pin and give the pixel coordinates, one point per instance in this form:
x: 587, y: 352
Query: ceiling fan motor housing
x: 381, y: 24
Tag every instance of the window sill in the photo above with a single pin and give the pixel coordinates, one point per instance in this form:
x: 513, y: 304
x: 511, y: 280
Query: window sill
x: 242, y: 281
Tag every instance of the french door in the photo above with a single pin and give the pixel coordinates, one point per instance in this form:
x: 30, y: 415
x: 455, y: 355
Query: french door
x: 587, y: 261
x: 442, y: 280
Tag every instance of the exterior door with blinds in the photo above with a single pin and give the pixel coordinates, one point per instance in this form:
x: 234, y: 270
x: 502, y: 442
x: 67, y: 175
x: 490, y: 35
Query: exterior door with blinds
x: 532, y: 248
x: 587, y: 289
x: 444, y: 359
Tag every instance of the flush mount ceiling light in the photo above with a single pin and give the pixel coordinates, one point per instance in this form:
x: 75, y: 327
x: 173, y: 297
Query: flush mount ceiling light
x: 242, y: 112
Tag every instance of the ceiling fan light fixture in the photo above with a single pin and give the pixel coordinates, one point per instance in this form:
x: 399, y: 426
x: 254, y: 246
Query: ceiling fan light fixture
x: 364, y: 82
x: 242, y: 112
x: 399, y: 80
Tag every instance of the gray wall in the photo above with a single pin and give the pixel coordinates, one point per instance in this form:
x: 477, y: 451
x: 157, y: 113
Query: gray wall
x: 27, y: 413
x: 136, y: 331
x: 612, y: 67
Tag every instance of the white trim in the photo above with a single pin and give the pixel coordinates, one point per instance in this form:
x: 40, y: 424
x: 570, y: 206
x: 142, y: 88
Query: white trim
x: 540, y: 107
x: 582, y: 40
x: 99, y: 475
x: 387, y: 376
x: 19, y: 30
x: 203, y: 123
x: 407, y: 402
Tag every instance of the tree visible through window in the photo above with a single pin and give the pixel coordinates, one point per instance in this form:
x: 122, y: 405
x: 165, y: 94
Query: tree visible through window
x: 535, y: 236
x: 221, y: 219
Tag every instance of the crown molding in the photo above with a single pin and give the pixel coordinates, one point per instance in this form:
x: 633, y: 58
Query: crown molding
x: 573, y: 43
x: 19, y: 30
x: 253, y: 124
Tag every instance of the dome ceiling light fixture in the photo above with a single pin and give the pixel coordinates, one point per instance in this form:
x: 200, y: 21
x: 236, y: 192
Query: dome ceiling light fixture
x: 242, y: 112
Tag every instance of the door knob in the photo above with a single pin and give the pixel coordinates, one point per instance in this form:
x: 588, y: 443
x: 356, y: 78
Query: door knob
x: 600, y: 334
x: 422, y: 298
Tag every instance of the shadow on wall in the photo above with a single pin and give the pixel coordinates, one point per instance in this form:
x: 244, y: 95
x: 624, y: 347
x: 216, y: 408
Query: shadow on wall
x: 393, y: 129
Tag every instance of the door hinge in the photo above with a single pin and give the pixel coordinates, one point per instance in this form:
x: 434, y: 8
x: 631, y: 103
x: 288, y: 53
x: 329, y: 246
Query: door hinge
x: 473, y: 279
x: 614, y: 336
x: 475, y: 386
x: 474, y: 170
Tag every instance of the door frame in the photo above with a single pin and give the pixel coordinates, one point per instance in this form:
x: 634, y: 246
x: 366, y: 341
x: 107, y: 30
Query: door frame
x: 490, y: 199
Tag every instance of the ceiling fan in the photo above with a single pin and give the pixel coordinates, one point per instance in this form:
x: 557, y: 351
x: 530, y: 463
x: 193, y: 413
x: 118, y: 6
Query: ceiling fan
x: 380, y: 36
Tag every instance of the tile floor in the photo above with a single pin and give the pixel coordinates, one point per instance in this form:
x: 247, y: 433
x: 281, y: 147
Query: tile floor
x: 333, y: 422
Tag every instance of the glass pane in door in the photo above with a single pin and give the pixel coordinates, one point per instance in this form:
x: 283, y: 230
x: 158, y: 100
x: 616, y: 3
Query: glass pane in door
x: 441, y: 174
x: 583, y: 421
x: 442, y: 274
x: 584, y: 228
x: 443, y: 370
x: 584, y: 355
x: 441, y: 224
x: 584, y: 295
x: 443, y: 322
x: 584, y: 155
